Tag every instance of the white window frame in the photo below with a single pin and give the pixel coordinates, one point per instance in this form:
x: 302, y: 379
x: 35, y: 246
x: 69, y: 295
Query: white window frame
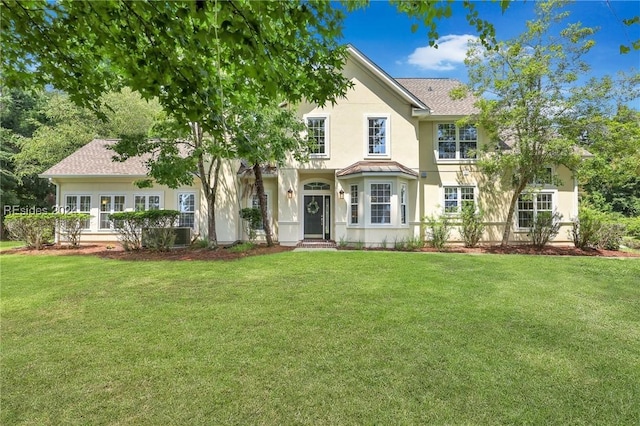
x: 354, y: 194
x: 371, y: 203
x: 458, y: 141
x: 254, y: 202
x: 112, y: 209
x: 387, y: 135
x: 327, y: 145
x: 146, y: 196
x: 536, y: 183
x: 78, y: 209
x: 534, y: 194
x: 180, y: 209
x: 459, y: 198
x: 404, y: 210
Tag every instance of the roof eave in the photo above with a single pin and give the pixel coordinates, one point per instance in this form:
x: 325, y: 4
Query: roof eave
x: 390, y: 81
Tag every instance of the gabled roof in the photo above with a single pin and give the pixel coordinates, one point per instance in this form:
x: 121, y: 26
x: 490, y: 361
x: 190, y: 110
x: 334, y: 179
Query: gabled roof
x: 434, y: 92
x: 407, y: 95
x: 95, y: 159
x: 377, y: 167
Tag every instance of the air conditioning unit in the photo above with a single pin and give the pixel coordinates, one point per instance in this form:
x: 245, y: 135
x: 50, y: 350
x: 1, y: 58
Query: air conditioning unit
x: 183, y: 236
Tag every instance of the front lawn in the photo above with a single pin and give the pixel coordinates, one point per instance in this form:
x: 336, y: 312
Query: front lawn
x: 321, y: 338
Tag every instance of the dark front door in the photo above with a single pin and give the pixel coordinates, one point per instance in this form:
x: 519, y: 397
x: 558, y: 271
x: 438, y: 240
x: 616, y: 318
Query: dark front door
x: 317, y: 222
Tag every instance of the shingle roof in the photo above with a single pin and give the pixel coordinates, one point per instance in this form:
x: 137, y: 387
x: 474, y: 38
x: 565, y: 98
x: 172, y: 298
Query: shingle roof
x: 434, y: 92
x: 376, y: 167
x: 95, y: 159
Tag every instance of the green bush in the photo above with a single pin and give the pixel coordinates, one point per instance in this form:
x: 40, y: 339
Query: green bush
x: 156, y: 225
x: 38, y: 229
x: 632, y: 225
x: 438, y: 231
x: 472, y: 225
x: 253, y: 220
x: 545, y: 227
x: 597, y: 229
x: 71, y: 226
x: 35, y: 229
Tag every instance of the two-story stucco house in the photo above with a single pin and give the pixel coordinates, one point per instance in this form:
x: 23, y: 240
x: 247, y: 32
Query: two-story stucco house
x: 386, y: 156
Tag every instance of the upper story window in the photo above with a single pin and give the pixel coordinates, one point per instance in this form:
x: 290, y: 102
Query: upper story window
x: 378, y: 136
x: 543, y: 177
x: 457, y: 143
x: 318, y: 135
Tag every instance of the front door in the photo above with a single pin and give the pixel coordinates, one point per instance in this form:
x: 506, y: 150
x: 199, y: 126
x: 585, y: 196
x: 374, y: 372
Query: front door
x: 317, y: 217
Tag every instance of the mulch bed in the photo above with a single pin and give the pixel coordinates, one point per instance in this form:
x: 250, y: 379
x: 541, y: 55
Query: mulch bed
x: 115, y: 251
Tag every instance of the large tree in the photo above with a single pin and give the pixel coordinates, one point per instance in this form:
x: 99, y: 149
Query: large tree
x: 532, y: 97
x: 611, y: 179
x: 196, y: 58
x: 265, y: 137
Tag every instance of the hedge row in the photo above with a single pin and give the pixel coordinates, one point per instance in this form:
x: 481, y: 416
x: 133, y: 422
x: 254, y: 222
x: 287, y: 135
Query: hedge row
x: 37, y: 229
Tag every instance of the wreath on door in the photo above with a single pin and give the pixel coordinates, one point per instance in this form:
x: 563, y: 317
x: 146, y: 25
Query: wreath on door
x: 313, y: 207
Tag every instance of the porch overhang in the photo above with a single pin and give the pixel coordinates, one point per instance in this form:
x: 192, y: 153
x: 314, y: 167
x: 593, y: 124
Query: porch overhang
x: 376, y: 168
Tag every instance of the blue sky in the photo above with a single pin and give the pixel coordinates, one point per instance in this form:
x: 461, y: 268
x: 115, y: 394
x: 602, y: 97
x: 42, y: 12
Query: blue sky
x: 385, y: 36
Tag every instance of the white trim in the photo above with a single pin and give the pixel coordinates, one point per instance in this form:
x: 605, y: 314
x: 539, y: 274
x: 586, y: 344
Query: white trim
x: 387, y: 136
x: 392, y: 222
x: 100, y: 212
x: 327, y: 137
x: 195, y: 207
x: 554, y: 205
x: 458, y: 186
x: 457, y: 159
x: 378, y: 72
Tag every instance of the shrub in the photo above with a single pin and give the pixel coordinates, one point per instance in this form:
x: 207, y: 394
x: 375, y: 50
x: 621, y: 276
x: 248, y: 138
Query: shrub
x: 414, y: 243
x: 632, y: 225
x: 584, y: 230
x: 598, y: 230
x: 71, y: 226
x: 438, y: 231
x: 35, y: 230
x: 253, y: 220
x: 545, y: 228
x: 156, y: 225
x: 472, y: 225
x: 399, y: 244
x: 611, y: 236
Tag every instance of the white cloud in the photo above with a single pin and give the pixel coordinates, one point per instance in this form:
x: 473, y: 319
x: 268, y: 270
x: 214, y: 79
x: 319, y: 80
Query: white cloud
x: 451, y: 51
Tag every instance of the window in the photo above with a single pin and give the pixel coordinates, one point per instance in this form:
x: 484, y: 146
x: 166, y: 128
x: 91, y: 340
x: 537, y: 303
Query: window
x: 317, y: 128
x: 403, y: 203
x: 380, y: 203
x: 187, y: 209
x: 377, y: 139
x: 457, y: 197
x: 457, y: 142
x: 317, y: 186
x: 146, y: 202
x: 109, y: 204
x: 543, y: 177
x: 255, y: 203
x: 354, y: 204
x: 530, y: 205
x: 79, y: 204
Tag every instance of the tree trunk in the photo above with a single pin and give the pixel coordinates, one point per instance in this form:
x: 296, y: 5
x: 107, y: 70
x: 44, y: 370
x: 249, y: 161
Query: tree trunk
x: 209, y: 183
x: 257, y: 171
x: 512, y: 210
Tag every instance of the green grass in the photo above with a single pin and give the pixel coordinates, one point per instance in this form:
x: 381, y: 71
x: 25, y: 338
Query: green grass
x: 321, y: 338
x: 6, y: 245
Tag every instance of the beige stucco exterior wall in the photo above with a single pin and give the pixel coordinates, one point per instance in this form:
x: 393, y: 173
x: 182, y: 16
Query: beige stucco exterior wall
x: 493, y: 196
